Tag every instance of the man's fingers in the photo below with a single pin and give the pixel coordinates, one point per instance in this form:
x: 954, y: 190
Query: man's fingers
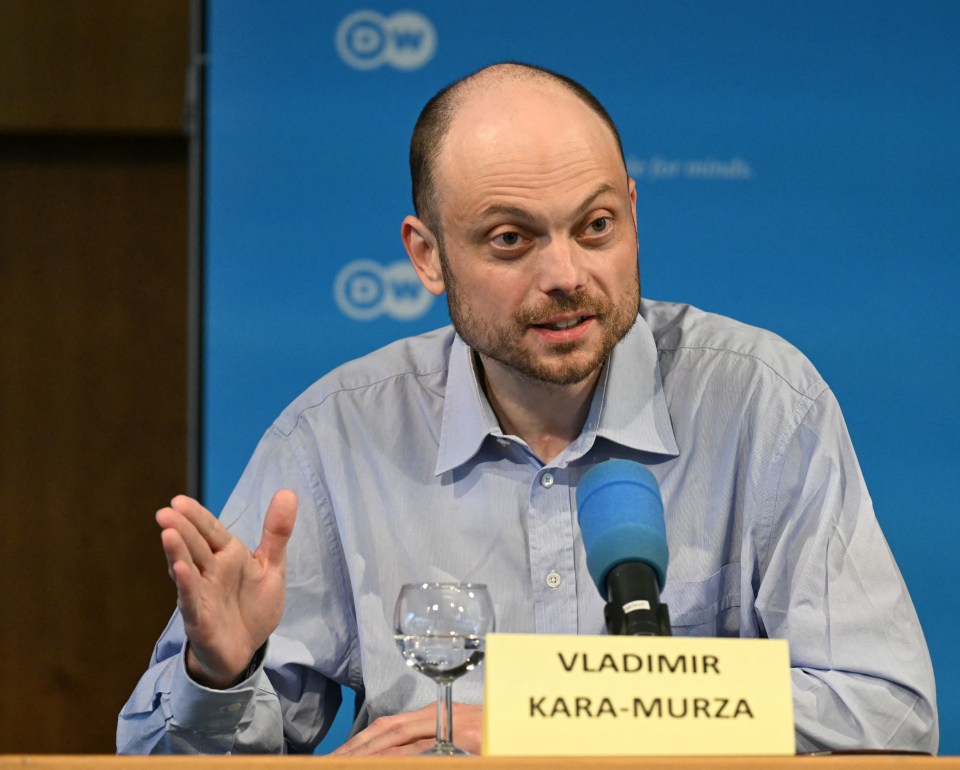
x: 277, y: 527
x: 197, y: 547
x: 415, y: 732
x: 400, y: 733
x: 206, y: 524
x: 182, y: 571
x: 388, y: 733
x: 185, y: 577
x: 173, y: 547
x: 409, y: 749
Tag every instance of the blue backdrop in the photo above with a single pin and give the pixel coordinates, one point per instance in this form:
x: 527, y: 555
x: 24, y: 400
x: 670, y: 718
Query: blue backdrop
x: 797, y: 169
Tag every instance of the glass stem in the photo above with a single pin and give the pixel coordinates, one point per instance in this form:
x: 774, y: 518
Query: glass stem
x: 445, y: 713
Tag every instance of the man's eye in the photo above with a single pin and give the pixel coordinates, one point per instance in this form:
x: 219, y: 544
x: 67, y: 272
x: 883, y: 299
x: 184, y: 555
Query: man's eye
x: 598, y: 226
x: 508, y: 240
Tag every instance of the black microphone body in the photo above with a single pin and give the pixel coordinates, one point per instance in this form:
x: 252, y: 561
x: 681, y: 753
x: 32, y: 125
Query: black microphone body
x: 634, y: 607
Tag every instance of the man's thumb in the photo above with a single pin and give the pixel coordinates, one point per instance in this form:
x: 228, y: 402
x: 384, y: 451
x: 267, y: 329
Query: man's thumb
x: 278, y: 526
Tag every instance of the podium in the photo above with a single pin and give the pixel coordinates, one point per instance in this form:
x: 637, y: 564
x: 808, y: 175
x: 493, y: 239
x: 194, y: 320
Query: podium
x: 864, y: 761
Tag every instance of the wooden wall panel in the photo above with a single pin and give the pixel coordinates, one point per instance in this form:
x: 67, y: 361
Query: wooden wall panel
x: 92, y: 313
x: 93, y: 318
x: 93, y: 65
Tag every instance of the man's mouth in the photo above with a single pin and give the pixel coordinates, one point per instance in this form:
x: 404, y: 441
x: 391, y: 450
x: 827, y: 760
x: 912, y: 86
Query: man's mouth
x: 566, y: 323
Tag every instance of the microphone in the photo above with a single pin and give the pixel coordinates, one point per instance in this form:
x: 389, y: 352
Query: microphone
x: 625, y: 538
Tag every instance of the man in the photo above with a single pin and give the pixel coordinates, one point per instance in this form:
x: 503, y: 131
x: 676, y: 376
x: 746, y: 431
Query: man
x: 455, y: 456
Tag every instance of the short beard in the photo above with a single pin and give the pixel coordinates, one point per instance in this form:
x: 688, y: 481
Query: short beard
x: 504, y: 343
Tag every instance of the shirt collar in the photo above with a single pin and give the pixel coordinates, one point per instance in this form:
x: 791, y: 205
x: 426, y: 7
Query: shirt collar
x: 628, y: 406
x: 467, y: 415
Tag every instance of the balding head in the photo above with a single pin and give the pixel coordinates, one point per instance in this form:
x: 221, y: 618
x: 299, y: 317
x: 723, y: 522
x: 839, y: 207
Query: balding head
x: 438, y: 116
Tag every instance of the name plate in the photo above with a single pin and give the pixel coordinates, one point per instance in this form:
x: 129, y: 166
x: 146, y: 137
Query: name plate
x: 650, y: 696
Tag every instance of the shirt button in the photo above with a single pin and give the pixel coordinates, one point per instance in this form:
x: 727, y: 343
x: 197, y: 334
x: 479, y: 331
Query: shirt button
x: 233, y: 707
x: 553, y: 580
x: 546, y: 480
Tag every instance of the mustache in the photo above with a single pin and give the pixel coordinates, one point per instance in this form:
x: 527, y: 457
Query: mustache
x: 579, y: 302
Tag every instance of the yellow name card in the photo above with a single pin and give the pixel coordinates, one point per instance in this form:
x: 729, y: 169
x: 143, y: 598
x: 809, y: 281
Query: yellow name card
x: 623, y: 695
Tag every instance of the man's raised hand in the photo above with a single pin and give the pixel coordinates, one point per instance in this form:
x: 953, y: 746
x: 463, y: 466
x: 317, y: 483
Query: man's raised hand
x: 231, y: 599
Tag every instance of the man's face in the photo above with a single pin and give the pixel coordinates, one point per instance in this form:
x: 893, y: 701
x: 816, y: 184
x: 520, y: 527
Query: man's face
x: 539, y: 233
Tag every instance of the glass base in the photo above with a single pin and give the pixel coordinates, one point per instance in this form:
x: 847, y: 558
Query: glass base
x: 444, y: 750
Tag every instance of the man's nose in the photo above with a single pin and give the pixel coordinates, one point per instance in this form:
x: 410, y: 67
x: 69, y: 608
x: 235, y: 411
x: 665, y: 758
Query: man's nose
x: 560, y: 269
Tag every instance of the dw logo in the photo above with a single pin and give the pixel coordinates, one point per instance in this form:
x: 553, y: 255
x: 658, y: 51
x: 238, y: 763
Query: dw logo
x: 366, y: 40
x: 365, y: 290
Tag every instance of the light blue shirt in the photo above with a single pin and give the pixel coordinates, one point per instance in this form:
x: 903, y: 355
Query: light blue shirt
x: 403, y: 475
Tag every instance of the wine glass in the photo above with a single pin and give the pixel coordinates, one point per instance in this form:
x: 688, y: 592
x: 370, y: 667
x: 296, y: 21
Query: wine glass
x: 440, y: 629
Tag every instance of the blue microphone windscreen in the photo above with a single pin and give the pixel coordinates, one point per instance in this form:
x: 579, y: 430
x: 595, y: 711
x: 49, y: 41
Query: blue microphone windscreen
x: 621, y: 519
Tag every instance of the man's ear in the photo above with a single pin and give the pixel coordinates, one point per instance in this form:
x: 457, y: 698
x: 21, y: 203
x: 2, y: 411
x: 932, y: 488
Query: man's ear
x: 632, y: 186
x: 424, y: 253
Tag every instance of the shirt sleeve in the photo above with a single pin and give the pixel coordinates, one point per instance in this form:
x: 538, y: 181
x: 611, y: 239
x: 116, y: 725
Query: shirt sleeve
x: 292, y: 692
x: 861, y: 672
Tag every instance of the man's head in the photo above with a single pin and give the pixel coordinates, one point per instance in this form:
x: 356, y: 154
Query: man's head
x: 527, y: 221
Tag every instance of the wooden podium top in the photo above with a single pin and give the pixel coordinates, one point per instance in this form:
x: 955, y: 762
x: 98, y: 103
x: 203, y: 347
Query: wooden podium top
x: 837, y: 762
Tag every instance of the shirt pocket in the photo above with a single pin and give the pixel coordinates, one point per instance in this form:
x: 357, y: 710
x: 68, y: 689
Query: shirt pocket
x: 709, y: 607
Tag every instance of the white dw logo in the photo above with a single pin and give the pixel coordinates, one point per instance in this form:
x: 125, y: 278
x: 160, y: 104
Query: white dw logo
x: 365, y: 290
x: 366, y: 40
